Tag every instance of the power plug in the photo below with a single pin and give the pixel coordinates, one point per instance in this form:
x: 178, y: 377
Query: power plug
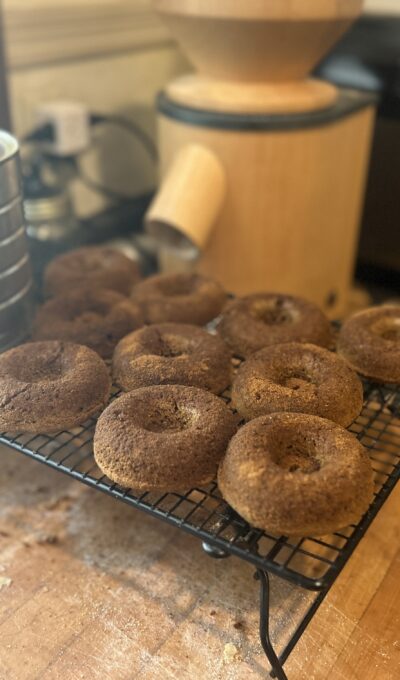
x: 70, y: 123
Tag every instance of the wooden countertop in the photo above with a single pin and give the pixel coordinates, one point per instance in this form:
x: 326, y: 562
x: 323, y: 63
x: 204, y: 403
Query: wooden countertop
x: 91, y: 589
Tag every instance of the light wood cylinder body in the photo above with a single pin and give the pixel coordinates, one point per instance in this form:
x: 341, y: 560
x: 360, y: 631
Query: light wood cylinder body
x: 293, y: 201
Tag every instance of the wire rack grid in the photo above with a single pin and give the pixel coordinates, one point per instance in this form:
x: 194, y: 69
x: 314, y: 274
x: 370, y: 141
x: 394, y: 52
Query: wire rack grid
x: 310, y: 562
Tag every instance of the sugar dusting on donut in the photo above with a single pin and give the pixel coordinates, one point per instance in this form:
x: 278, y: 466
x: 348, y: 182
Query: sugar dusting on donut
x: 168, y: 437
x: 370, y: 342
x: 263, y: 319
x: 172, y: 354
x: 300, y: 378
x: 296, y: 474
x: 181, y: 298
x: 50, y: 386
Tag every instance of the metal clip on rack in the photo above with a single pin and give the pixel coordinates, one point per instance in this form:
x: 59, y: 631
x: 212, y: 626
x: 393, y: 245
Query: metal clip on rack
x: 311, y: 563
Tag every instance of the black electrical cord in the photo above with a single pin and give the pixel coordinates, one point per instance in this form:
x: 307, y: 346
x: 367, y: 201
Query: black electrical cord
x: 131, y: 127
x: 45, y: 133
x: 114, y: 196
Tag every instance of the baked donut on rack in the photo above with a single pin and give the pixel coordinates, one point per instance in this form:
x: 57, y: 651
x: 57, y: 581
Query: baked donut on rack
x: 50, y: 386
x: 298, y: 378
x: 95, y: 318
x: 263, y: 319
x: 181, y: 298
x: 296, y: 475
x: 94, y: 266
x: 163, y: 438
x: 370, y: 343
x: 172, y: 354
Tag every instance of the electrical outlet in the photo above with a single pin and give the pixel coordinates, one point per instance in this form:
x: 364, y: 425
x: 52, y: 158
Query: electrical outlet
x: 71, y: 125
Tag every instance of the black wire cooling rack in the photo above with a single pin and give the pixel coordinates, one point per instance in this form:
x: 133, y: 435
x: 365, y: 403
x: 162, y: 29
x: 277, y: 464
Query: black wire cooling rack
x: 309, y: 562
x: 312, y: 563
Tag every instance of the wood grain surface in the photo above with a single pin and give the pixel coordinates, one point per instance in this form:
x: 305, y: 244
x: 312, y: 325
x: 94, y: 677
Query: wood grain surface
x: 91, y: 589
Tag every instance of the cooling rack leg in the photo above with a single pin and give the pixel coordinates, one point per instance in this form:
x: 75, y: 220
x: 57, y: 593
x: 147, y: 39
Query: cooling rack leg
x: 276, y: 666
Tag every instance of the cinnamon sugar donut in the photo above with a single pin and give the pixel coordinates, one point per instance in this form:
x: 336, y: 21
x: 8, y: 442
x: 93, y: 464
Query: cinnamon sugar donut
x: 50, y: 386
x: 95, y: 318
x: 94, y: 266
x: 296, y: 474
x: 163, y: 438
x: 262, y: 319
x: 181, y: 298
x: 370, y: 342
x: 172, y: 354
x: 299, y: 378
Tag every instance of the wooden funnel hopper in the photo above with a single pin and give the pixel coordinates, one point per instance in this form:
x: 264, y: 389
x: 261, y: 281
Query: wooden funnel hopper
x: 250, y: 43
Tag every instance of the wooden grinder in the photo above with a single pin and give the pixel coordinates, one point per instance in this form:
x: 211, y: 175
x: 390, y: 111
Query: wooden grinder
x: 262, y: 167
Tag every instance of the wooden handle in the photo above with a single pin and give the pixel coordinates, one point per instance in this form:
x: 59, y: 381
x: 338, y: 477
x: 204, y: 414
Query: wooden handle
x: 188, y: 203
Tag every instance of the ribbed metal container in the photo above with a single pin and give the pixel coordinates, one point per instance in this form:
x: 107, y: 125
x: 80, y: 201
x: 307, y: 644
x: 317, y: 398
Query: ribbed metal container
x: 15, y: 269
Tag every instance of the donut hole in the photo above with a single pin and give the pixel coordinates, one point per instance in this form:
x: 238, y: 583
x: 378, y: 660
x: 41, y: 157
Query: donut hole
x: 296, y: 380
x: 168, y: 419
x: 292, y: 454
x: 275, y: 312
x: 388, y: 329
x: 88, y: 317
x: 172, y: 346
x: 87, y: 312
x: 392, y: 334
x: 97, y: 260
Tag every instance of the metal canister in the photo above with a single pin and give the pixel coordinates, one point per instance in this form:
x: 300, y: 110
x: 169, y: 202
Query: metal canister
x: 15, y: 270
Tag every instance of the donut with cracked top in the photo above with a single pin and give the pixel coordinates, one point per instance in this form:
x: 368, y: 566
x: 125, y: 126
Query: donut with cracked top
x: 51, y: 386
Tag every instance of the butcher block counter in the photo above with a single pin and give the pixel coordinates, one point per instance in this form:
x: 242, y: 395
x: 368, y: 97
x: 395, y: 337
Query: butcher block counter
x: 91, y: 589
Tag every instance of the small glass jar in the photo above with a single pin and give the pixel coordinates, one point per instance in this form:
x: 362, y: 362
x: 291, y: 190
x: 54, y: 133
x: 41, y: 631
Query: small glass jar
x: 49, y: 216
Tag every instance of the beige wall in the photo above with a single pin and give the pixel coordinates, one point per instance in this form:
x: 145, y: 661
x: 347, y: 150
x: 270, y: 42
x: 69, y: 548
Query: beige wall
x: 383, y: 6
x: 106, y: 83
